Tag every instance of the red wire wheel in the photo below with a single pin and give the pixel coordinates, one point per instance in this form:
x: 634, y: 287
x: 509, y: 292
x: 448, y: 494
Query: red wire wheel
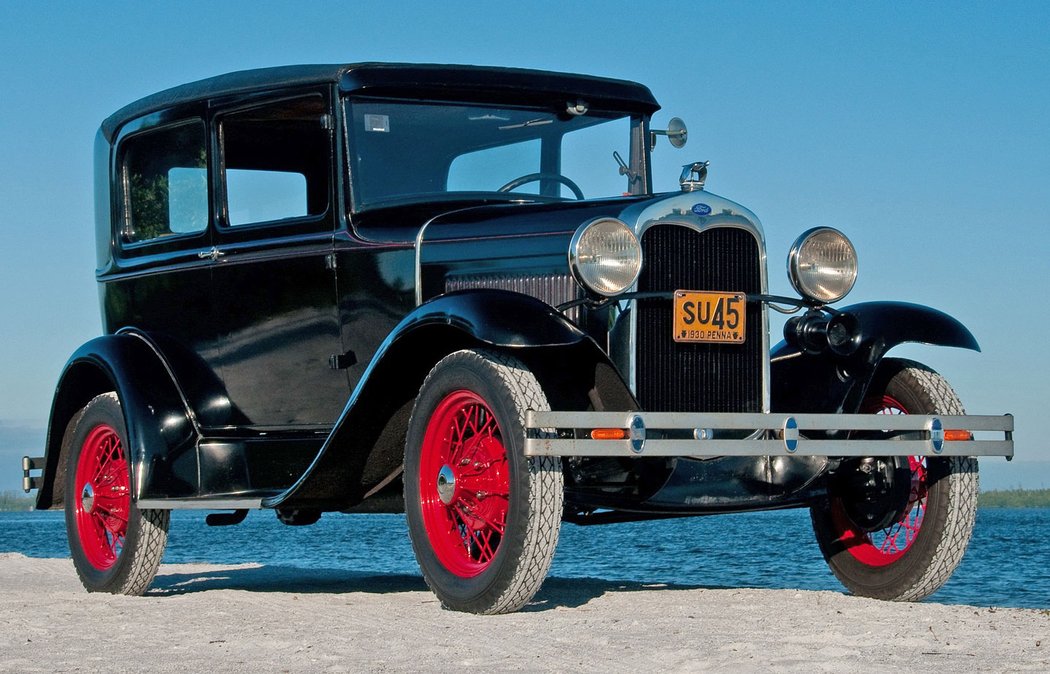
x: 483, y: 517
x: 102, y: 497
x: 116, y: 546
x: 464, y: 483
x: 932, y: 513
x: 888, y: 545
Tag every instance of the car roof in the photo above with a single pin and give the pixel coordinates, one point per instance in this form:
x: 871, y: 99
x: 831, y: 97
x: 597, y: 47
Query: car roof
x: 452, y: 82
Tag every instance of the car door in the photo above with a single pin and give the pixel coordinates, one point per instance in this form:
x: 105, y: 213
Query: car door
x: 273, y: 279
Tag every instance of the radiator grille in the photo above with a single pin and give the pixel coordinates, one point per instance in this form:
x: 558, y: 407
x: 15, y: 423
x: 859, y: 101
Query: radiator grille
x: 678, y: 377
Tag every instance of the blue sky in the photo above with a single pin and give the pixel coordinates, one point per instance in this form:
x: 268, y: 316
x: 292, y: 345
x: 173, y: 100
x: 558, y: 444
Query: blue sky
x: 919, y: 129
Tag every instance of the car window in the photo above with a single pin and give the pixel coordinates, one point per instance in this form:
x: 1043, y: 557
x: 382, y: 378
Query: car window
x: 166, y: 181
x: 276, y: 162
x: 260, y: 196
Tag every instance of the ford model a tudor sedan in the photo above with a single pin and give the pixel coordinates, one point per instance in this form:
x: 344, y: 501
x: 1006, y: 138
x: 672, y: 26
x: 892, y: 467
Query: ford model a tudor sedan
x: 325, y: 288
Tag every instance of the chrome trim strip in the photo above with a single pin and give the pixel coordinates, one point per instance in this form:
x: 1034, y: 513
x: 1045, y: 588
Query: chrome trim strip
x: 419, y: 249
x: 201, y: 504
x: 419, y: 258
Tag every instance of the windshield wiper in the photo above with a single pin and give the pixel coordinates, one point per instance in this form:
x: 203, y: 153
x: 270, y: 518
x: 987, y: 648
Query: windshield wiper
x: 532, y: 122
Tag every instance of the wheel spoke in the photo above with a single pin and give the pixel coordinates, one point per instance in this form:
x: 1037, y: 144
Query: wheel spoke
x: 883, y: 547
x: 492, y: 520
x: 103, y: 496
x: 484, y: 551
x: 483, y: 483
x: 455, y: 443
x: 466, y: 522
x: 465, y: 530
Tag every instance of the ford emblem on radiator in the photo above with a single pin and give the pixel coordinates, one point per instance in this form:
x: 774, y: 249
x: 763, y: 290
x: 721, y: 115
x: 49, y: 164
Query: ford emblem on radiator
x: 701, y: 209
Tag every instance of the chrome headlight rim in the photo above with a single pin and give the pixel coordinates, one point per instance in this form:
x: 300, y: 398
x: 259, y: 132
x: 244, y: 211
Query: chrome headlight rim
x: 578, y: 259
x: 802, y: 281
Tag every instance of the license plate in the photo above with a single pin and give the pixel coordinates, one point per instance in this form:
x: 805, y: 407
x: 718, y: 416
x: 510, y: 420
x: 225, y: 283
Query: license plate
x: 709, y: 317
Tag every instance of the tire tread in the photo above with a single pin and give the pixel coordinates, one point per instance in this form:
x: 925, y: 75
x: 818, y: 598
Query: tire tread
x: 545, y: 485
x: 954, y: 521
x: 138, y: 562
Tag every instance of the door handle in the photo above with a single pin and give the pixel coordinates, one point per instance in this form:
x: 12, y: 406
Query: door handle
x: 213, y: 254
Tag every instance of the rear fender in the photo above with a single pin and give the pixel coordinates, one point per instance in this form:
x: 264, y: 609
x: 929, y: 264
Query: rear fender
x: 826, y: 382
x: 162, y: 429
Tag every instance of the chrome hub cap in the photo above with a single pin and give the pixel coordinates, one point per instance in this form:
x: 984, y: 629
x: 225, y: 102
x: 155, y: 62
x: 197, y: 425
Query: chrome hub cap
x: 446, y: 484
x: 87, y: 498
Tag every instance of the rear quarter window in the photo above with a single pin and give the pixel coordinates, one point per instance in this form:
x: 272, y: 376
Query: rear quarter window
x: 165, y: 183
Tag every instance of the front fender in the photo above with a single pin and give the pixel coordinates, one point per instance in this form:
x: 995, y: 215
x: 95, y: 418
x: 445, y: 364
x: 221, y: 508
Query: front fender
x: 825, y: 382
x: 375, y: 416
x: 161, y: 428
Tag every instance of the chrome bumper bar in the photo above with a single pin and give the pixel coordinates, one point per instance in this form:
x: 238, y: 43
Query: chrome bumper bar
x: 703, y: 435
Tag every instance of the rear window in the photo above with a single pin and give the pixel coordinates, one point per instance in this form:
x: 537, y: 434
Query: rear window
x: 166, y: 182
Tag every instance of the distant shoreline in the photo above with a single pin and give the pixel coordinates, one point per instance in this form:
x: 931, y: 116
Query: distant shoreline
x: 1014, y: 498
x: 12, y: 501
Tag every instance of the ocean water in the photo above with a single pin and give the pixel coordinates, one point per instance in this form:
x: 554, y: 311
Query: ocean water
x: 1007, y: 563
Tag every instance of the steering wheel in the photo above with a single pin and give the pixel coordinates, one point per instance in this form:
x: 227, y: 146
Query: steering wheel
x: 533, y: 177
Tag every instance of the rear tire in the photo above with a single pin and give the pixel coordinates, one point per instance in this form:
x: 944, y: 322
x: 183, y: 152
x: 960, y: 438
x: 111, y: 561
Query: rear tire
x: 483, y: 518
x: 115, y: 546
x: 916, y: 554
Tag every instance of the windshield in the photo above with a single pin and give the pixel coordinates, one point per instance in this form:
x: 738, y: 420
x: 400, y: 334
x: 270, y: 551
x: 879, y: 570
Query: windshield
x: 404, y: 151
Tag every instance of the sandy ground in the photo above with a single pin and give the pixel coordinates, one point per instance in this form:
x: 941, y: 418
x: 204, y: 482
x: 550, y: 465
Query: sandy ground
x: 252, y: 618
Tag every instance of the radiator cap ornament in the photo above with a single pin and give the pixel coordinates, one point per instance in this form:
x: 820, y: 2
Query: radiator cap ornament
x: 693, y: 176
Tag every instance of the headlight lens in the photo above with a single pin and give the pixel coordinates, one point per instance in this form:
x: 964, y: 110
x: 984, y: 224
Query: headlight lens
x: 605, y: 256
x: 822, y: 265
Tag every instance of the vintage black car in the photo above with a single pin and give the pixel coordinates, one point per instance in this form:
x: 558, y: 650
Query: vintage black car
x: 453, y: 290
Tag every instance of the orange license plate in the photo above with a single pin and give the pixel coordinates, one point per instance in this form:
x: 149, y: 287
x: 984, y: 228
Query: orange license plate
x: 709, y: 317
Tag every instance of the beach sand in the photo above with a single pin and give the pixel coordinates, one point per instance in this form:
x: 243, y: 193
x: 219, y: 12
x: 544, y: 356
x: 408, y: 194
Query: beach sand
x: 256, y: 618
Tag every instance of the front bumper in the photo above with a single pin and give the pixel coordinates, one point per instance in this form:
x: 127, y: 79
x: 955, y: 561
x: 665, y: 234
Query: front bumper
x: 775, y: 434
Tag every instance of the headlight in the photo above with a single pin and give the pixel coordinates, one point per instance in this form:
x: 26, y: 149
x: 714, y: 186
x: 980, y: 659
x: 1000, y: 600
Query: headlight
x: 605, y: 256
x: 822, y: 265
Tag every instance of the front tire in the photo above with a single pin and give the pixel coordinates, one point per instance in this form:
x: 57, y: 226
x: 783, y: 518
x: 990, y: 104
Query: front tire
x: 115, y: 546
x: 483, y: 518
x: 916, y: 554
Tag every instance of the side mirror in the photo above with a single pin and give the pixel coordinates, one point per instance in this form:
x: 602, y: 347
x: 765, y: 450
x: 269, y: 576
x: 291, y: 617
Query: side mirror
x: 676, y: 133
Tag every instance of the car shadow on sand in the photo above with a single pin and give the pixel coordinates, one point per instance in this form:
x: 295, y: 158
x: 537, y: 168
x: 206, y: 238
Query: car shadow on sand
x: 555, y: 593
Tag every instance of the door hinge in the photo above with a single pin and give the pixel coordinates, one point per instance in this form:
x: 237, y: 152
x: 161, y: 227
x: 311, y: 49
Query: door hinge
x: 329, y: 262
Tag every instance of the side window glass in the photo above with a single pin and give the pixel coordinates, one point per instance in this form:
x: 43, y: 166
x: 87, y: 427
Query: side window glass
x: 276, y: 161
x: 167, y: 183
x: 261, y: 196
